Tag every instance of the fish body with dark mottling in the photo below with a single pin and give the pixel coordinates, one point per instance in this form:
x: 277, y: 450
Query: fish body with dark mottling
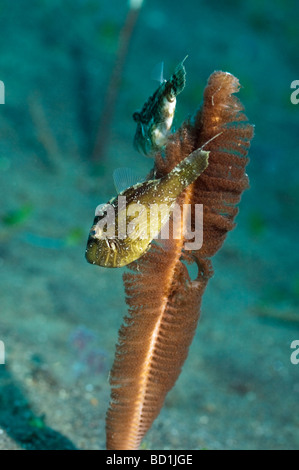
x: 155, y: 119
x: 116, y: 249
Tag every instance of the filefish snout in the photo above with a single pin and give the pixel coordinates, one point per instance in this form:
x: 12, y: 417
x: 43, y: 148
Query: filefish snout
x: 91, y: 250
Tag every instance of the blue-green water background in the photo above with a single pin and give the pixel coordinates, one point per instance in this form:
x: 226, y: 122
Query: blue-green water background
x: 59, y: 316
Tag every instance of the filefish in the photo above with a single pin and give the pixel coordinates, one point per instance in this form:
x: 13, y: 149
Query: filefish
x: 119, y: 237
x: 155, y: 119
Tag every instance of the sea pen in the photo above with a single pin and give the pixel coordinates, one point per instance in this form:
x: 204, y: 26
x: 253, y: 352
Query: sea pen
x: 164, y: 303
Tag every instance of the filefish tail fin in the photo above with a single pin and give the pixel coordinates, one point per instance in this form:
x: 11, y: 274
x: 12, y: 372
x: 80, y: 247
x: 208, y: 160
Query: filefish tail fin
x: 200, y: 159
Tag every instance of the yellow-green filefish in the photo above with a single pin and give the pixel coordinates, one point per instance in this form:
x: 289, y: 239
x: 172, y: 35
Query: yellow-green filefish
x: 155, y: 119
x: 118, y: 236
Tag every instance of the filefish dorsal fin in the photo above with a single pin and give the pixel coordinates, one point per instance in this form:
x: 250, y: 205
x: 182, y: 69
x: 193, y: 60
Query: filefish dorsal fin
x: 124, y: 178
x: 158, y: 73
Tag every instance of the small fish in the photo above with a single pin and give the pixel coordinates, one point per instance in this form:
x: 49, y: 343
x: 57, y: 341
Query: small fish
x: 154, y: 121
x: 129, y: 236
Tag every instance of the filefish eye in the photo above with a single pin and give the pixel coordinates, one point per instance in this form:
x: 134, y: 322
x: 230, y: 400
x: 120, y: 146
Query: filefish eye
x: 92, y: 231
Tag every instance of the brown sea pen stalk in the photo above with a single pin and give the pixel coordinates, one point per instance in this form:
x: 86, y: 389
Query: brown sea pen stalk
x: 164, y: 303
